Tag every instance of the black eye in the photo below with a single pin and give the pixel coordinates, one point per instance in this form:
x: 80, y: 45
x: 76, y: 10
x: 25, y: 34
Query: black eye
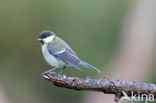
x: 44, y: 36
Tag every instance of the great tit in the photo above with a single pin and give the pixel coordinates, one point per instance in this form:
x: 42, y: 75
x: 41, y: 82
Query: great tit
x: 59, y: 54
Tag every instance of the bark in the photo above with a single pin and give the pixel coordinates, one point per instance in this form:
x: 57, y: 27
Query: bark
x: 105, y: 85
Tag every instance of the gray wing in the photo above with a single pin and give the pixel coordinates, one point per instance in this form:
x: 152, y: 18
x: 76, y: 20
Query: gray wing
x: 66, y: 55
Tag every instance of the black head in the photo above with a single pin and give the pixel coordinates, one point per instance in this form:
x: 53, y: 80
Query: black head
x: 45, y: 34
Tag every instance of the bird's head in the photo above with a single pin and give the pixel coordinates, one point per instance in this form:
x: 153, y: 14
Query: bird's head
x: 46, y: 37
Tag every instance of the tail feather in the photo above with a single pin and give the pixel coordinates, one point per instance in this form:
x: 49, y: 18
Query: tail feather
x: 89, y: 66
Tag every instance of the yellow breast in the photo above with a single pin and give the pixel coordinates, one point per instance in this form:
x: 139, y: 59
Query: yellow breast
x: 50, y: 58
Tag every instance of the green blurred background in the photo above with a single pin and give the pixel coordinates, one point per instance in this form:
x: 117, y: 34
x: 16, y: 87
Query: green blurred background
x: 91, y: 27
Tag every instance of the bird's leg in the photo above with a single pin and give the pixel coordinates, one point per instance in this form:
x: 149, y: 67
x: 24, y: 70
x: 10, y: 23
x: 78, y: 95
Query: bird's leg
x: 50, y: 70
x: 61, y: 72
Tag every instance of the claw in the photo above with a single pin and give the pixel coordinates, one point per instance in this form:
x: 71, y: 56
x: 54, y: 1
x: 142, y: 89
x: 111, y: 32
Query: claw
x: 49, y: 71
x: 86, y: 77
x: 61, y: 72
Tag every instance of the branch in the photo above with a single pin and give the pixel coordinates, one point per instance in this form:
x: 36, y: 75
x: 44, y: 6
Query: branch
x: 117, y: 87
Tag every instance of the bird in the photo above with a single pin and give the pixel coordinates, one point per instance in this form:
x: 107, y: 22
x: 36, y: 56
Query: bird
x: 59, y: 54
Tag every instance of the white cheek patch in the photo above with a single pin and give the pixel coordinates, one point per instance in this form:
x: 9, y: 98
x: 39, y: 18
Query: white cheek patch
x: 48, y: 39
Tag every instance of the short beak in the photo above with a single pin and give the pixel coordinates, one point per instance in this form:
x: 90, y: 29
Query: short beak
x: 39, y: 39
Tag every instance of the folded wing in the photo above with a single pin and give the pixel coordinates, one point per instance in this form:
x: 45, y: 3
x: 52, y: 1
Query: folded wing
x: 66, y: 55
x: 69, y: 57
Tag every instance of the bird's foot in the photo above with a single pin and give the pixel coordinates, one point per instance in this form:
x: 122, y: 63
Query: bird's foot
x: 60, y: 74
x: 49, y: 71
x: 86, y: 77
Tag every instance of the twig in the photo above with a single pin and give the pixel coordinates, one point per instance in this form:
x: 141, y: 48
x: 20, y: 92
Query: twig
x: 105, y: 85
